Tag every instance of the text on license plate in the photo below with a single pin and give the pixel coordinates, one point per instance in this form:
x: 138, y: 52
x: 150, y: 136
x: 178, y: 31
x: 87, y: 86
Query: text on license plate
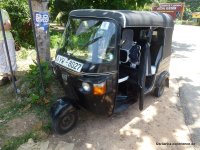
x: 69, y: 63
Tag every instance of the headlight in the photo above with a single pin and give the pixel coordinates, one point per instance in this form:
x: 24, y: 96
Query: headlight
x: 86, y: 86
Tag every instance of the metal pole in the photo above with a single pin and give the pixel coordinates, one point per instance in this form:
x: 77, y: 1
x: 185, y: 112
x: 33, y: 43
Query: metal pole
x: 36, y: 45
x: 7, y: 52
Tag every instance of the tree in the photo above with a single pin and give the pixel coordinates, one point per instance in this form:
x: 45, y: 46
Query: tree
x: 42, y: 36
x: 65, y: 6
x: 194, y: 5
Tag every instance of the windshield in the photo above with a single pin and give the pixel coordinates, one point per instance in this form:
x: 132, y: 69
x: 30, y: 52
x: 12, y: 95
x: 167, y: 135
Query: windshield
x: 89, y: 39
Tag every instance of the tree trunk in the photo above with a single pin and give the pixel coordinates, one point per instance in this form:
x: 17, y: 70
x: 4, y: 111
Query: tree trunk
x: 42, y: 36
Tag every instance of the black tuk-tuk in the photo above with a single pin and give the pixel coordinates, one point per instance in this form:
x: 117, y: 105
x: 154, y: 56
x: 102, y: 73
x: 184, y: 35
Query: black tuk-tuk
x: 110, y: 59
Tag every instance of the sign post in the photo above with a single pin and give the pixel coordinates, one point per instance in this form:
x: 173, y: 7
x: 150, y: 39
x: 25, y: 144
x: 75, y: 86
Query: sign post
x: 176, y: 10
x: 42, y: 20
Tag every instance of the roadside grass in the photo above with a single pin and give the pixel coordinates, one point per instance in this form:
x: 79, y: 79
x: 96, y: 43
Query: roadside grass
x: 10, y: 108
x: 15, y: 106
x: 2, y: 129
x: 15, y: 109
x: 24, y: 54
x: 11, y: 111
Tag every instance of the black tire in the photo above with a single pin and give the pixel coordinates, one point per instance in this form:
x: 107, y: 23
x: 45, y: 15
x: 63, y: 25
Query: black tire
x: 65, y: 122
x: 159, y: 90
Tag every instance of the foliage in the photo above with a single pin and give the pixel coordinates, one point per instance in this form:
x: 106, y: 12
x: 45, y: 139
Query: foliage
x: 33, y: 78
x: 23, y: 53
x: 147, y: 7
x: 61, y: 8
x: 55, y: 37
x: 20, y: 18
x: 187, y: 14
x: 65, y: 6
x: 194, y: 5
x: 13, y: 110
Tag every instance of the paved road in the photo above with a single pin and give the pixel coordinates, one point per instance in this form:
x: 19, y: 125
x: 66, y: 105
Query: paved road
x: 185, y: 67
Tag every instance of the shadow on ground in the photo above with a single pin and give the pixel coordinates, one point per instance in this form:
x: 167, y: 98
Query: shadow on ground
x: 161, y: 121
x: 179, y: 50
x: 182, y: 46
x: 190, y: 102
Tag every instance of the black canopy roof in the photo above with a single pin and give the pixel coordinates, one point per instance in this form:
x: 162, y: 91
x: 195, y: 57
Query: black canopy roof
x: 127, y: 18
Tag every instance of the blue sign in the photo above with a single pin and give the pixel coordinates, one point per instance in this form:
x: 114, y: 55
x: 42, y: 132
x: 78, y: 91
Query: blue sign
x: 42, y: 20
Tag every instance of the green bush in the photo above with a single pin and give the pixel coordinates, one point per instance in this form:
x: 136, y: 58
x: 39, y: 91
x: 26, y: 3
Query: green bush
x: 187, y: 15
x: 21, y: 22
x: 34, y: 80
x: 55, y: 38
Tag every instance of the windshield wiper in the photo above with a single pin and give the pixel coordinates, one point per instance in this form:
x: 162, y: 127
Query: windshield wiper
x: 92, y: 41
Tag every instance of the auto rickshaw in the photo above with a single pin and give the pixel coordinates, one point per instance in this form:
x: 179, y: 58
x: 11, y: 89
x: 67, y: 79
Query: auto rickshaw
x: 110, y: 59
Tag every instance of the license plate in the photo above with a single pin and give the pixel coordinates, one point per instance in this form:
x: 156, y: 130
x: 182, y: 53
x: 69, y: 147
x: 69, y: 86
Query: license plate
x: 69, y: 63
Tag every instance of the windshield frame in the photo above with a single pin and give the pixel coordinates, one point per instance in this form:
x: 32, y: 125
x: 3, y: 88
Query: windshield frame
x: 115, y: 48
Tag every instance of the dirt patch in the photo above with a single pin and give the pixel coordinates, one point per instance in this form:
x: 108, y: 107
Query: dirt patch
x: 161, y: 121
x: 19, y: 126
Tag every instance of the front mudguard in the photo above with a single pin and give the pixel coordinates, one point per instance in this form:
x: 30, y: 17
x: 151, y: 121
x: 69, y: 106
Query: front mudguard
x: 60, y: 105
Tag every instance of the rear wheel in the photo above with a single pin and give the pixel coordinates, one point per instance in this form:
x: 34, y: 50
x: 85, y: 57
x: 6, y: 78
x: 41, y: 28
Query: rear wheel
x: 160, y: 89
x: 65, y: 122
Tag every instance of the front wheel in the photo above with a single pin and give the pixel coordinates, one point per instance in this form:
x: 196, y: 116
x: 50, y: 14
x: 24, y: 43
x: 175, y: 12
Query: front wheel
x: 65, y: 121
